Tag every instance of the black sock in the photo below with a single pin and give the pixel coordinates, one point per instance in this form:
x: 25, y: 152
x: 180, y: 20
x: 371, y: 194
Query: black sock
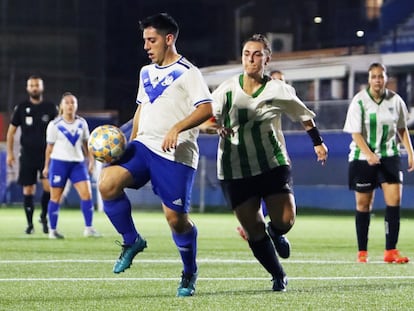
x: 28, y: 208
x: 392, y: 226
x: 265, y: 253
x: 362, y: 221
x: 44, y: 201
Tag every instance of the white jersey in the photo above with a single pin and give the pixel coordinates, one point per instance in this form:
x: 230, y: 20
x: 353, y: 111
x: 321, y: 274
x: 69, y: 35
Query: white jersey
x: 67, y: 138
x: 167, y: 95
x: 256, y: 146
x: 377, y: 122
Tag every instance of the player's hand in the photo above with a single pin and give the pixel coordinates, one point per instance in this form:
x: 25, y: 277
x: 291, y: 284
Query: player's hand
x: 45, y: 172
x: 321, y: 153
x: 170, y: 140
x: 10, y: 160
x: 410, y: 164
x: 225, y: 131
x: 373, y: 159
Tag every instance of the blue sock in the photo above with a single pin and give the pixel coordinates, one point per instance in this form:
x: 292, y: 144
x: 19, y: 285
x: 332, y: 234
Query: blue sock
x: 264, y: 209
x: 187, y: 246
x: 87, y: 211
x: 119, y: 213
x: 53, y: 213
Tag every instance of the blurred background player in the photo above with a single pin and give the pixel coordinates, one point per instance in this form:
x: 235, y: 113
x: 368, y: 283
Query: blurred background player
x: 173, y: 99
x: 67, y: 138
x: 252, y: 165
x: 377, y: 120
x: 32, y: 116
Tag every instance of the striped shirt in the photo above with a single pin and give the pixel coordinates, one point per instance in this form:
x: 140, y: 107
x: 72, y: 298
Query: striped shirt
x: 377, y: 122
x: 255, y: 146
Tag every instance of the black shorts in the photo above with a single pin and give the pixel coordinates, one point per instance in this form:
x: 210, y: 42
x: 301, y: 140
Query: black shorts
x: 30, y: 170
x: 277, y: 180
x: 363, y: 177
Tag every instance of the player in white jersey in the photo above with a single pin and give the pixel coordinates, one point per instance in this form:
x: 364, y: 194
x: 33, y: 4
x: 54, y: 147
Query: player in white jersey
x: 377, y: 119
x: 252, y: 165
x: 67, y: 138
x: 173, y: 100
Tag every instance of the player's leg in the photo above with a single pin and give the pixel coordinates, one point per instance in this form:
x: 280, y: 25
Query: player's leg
x: 362, y: 179
x: 391, y: 184
x: 58, y: 174
x: 28, y: 179
x: 130, y: 171
x: 173, y: 183
x: 243, y: 195
x: 79, y: 177
x: 282, y: 213
x: 44, y: 201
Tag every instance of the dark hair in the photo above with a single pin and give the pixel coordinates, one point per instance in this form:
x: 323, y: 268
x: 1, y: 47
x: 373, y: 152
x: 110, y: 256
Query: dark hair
x: 34, y: 77
x: 262, y: 39
x: 377, y: 65
x: 162, y: 22
x: 67, y: 94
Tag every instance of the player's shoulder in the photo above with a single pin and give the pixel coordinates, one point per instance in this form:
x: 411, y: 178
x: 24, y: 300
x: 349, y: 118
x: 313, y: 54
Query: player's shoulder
x: 229, y: 84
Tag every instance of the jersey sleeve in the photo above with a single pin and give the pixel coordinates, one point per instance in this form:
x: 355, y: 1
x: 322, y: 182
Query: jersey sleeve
x: 199, y: 92
x: 15, y: 119
x: 403, y: 114
x: 51, y: 133
x: 353, y: 121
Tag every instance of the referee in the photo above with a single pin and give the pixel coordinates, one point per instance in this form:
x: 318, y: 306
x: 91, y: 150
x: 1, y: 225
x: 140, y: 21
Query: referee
x: 33, y: 116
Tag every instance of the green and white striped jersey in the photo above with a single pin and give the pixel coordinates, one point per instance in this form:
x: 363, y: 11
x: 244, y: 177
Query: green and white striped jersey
x: 254, y: 148
x: 377, y: 122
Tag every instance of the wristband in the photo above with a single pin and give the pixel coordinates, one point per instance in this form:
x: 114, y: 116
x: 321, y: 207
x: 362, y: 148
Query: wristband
x: 315, y: 136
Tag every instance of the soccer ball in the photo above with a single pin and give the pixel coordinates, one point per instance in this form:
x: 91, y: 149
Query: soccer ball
x: 107, y: 143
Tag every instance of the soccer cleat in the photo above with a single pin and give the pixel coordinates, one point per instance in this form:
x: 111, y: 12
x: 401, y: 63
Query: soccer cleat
x: 242, y: 233
x: 281, y: 242
x: 43, y: 221
x: 279, y: 284
x: 91, y: 232
x: 187, y: 284
x: 362, y: 256
x: 394, y: 256
x: 29, y: 229
x: 53, y: 234
x: 127, y: 255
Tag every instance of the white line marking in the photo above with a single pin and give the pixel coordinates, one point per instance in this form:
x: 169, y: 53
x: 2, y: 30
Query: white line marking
x: 399, y: 277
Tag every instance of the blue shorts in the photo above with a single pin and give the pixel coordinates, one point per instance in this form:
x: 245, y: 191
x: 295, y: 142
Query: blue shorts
x: 171, y: 181
x: 61, y: 171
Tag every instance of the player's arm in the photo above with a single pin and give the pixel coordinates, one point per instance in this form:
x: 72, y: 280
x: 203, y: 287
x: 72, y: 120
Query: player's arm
x: 11, y: 131
x: 318, y: 145
x: 406, y: 141
x: 209, y: 127
x: 48, y: 151
x: 201, y: 114
x: 88, y: 156
x: 135, y: 121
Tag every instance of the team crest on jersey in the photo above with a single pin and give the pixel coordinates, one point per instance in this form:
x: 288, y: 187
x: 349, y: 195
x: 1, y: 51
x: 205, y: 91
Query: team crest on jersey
x: 391, y: 110
x: 29, y: 120
x: 167, y: 80
x: 45, y: 118
x: 27, y: 109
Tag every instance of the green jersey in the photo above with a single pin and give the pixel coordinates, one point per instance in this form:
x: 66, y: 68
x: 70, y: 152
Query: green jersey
x: 255, y: 146
x: 377, y: 122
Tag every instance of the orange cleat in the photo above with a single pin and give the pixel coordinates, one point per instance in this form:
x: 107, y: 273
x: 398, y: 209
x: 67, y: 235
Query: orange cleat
x: 394, y: 256
x: 242, y: 233
x: 362, y: 256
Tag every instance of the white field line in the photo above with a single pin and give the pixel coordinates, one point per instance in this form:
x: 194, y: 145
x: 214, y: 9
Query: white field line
x: 174, y: 261
x: 115, y: 279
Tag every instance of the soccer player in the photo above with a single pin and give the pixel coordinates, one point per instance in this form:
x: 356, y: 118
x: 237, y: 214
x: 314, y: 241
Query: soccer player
x: 67, y: 138
x: 32, y: 116
x: 377, y: 120
x: 252, y: 165
x: 173, y: 99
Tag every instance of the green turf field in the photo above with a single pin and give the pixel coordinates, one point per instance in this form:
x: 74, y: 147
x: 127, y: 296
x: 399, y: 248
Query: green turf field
x: 76, y: 273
